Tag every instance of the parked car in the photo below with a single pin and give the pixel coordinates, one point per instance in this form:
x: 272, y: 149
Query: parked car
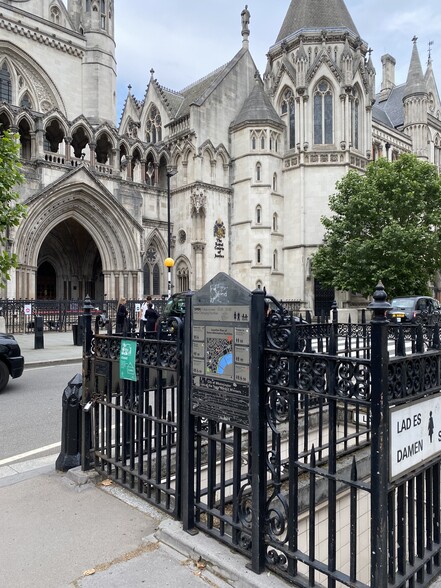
x: 11, y: 359
x: 415, y: 310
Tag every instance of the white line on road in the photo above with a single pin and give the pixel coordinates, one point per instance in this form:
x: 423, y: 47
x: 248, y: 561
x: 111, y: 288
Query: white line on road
x: 28, y: 453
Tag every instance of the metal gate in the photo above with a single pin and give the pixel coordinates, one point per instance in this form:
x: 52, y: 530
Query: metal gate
x: 135, y: 425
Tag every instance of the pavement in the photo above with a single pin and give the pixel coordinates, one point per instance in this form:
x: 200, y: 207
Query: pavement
x: 75, y: 530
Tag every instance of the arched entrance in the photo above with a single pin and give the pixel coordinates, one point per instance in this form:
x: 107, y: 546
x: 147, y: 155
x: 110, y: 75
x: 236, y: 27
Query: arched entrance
x: 69, y: 264
x: 91, y: 241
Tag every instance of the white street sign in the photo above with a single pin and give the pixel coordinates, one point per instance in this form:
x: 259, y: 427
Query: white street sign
x: 414, y: 434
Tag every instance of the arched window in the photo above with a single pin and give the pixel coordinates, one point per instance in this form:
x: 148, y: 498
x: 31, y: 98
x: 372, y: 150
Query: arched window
x: 5, y: 84
x: 253, y: 142
x: 258, y: 214
x: 152, y: 274
x: 258, y: 254
x: 323, y: 114
x: 275, y: 222
x: 437, y: 154
x: 262, y: 141
x: 355, y: 119
x: 25, y: 102
x: 103, y: 14
x: 275, y: 260
x: 156, y: 280
x: 25, y: 139
x: 182, y: 278
x: 154, y: 126
x: 274, y: 182
x: 288, y: 107
x: 55, y: 14
x: 258, y: 172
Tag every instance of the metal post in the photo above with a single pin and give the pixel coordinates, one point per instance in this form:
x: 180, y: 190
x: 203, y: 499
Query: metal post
x: 258, y: 430
x: 38, y: 332
x: 169, y: 261
x: 187, y: 427
x: 86, y: 416
x: 69, y: 456
x: 380, y: 438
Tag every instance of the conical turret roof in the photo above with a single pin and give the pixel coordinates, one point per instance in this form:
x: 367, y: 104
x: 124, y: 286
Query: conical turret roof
x: 316, y: 14
x: 415, y: 83
x: 257, y: 108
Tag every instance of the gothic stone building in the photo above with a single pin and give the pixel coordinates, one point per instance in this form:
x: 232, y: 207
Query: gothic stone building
x: 255, y: 159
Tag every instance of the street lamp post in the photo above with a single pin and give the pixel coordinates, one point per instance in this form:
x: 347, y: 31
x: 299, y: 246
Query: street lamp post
x: 169, y: 262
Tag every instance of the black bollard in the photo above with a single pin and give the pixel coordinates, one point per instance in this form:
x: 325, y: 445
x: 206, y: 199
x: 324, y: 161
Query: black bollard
x: 70, y: 456
x: 38, y: 333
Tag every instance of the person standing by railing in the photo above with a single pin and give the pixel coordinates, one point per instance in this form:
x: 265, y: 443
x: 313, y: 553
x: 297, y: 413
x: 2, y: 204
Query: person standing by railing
x: 121, y: 315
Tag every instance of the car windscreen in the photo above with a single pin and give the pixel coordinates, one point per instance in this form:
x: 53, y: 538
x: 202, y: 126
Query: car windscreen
x: 403, y: 303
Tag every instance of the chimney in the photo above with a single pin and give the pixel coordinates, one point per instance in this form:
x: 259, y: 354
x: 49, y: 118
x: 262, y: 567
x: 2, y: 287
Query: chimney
x: 388, y: 81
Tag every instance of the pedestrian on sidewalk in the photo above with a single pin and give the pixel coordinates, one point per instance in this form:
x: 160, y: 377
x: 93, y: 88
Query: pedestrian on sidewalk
x: 121, y: 315
x: 151, y: 316
x: 142, y: 317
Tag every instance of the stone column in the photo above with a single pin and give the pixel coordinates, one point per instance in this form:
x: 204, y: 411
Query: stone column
x: 199, y: 273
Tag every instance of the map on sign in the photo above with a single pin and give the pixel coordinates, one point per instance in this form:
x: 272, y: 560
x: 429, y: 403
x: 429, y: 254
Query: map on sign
x: 219, y: 352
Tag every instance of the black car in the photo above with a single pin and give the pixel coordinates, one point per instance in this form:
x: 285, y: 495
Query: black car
x: 11, y: 360
x: 415, y: 310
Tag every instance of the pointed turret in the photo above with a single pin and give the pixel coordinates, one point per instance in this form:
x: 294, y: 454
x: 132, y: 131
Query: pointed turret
x: 301, y: 61
x: 415, y: 101
x: 316, y: 14
x: 415, y: 79
x: 257, y: 108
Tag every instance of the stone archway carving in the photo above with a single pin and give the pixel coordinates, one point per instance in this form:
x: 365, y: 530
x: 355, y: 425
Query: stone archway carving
x: 116, y: 234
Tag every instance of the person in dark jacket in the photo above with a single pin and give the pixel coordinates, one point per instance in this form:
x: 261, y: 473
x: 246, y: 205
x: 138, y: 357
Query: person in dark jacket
x: 150, y: 317
x: 121, y: 315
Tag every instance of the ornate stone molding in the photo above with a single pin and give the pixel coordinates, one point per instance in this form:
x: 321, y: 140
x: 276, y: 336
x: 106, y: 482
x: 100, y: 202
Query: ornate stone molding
x: 198, y: 201
x: 42, y: 38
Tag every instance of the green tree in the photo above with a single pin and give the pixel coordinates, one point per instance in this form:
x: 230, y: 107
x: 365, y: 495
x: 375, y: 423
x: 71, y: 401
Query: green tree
x: 11, y: 210
x: 385, y: 227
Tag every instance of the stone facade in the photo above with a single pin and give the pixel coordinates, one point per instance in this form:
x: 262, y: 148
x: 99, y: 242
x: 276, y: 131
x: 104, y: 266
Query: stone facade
x: 243, y: 166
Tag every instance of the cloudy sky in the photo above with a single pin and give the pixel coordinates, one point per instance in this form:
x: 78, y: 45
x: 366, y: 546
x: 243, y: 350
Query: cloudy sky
x: 185, y: 40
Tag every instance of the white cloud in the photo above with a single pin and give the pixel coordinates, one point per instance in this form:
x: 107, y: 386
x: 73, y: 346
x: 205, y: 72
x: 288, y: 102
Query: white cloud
x: 184, y: 41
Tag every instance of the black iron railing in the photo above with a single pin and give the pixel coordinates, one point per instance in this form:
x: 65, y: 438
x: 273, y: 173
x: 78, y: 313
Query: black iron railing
x: 305, y: 488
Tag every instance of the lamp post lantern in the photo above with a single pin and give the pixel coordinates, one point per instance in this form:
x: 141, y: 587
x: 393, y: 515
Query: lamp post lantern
x: 169, y: 262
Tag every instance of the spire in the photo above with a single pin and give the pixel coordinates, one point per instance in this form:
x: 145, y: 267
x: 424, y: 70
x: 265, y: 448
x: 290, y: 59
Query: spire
x: 415, y: 78
x: 316, y: 14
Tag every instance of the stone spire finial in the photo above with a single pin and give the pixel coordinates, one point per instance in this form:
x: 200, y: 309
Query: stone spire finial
x: 245, y: 16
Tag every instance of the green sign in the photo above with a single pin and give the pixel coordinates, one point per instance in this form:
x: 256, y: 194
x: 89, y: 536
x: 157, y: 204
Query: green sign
x: 127, y: 357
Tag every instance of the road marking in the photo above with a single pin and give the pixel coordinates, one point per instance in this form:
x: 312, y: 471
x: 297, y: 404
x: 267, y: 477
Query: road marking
x: 29, y: 453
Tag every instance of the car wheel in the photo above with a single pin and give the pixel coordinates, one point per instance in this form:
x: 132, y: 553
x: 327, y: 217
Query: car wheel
x: 4, y: 375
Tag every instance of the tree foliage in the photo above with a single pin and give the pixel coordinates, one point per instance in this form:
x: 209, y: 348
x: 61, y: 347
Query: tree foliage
x: 386, y: 226
x: 11, y: 210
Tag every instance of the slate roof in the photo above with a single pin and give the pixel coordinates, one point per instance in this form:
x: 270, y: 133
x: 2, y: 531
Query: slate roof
x: 316, y: 14
x: 257, y: 108
x: 390, y: 111
x: 198, y: 92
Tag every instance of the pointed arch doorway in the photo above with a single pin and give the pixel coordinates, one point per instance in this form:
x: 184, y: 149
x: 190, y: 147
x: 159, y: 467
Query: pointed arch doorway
x: 69, y: 264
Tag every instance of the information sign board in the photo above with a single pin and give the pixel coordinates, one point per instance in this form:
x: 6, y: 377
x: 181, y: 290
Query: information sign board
x: 220, y: 351
x: 414, y: 434
x: 127, y: 360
